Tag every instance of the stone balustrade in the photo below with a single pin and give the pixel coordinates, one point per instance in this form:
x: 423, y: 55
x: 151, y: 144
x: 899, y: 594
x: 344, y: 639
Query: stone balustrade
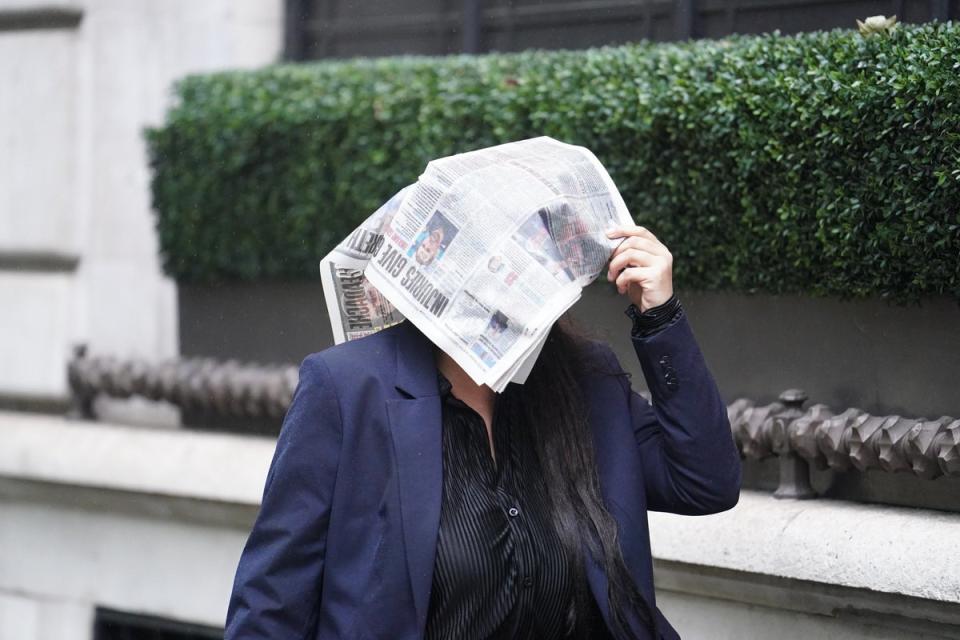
x: 851, y: 439
x: 798, y: 437
x: 204, y: 385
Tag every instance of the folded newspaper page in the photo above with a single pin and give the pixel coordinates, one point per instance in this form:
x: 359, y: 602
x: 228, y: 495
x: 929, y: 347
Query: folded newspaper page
x: 483, y: 254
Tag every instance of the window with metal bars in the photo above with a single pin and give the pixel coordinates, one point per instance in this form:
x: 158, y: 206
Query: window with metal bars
x: 345, y: 28
x: 119, y: 625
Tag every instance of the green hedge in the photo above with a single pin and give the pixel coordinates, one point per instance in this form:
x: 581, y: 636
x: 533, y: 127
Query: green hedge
x: 825, y: 163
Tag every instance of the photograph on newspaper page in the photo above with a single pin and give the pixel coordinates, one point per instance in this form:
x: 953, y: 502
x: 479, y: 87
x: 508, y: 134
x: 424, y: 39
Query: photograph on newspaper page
x: 356, y: 308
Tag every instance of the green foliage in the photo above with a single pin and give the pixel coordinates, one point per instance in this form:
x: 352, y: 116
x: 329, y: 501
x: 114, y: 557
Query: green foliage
x: 825, y: 163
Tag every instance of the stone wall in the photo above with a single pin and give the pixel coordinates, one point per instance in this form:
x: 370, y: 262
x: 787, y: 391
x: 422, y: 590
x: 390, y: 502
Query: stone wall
x: 152, y: 521
x: 78, y: 252
x: 145, y: 521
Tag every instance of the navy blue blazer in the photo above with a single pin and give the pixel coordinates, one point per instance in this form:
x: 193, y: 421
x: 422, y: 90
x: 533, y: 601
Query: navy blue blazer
x: 345, y: 539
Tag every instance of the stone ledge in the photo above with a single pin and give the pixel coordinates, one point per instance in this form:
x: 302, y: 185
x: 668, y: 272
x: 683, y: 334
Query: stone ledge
x: 26, y: 261
x: 40, y: 16
x: 822, y: 544
x: 34, y: 402
x: 891, y: 550
x: 909, y: 615
x: 173, y: 463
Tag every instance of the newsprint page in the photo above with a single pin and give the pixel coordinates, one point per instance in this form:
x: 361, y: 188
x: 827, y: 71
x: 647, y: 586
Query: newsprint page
x: 483, y: 254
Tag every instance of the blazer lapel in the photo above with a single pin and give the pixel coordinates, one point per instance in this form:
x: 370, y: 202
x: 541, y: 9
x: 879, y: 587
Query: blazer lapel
x: 416, y: 428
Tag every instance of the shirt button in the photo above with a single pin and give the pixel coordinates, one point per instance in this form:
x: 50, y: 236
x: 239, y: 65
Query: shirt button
x: 514, y: 512
x: 527, y: 582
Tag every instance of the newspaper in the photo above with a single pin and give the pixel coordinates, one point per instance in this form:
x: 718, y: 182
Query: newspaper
x: 483, y: 254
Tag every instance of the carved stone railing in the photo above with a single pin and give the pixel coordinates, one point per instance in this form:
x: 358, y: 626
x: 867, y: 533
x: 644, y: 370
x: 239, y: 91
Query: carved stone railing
x: 202, y: 385
x: 798, y: 438
x: 841, y: 441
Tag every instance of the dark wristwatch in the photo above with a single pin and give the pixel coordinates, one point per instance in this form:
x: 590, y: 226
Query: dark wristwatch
x: 654, y: 319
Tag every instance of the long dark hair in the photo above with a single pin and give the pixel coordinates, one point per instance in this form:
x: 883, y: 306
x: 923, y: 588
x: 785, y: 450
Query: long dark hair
x: 556, y: 413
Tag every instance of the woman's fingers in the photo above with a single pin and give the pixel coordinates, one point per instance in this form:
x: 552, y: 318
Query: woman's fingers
x: 641, y: 260
x: 630, y: 257
x: 637, y: 238
x: 641, y: 242
x: 624, y: 232
x: 635, y: 275
x: 638, y: 250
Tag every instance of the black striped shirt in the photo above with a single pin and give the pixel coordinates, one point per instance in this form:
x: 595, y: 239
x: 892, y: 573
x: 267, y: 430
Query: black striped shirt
x: 500, y: 571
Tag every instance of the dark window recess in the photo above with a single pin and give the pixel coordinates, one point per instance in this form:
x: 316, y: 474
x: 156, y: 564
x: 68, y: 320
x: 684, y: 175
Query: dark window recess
x: 344, y: 28
x: 118, y: 625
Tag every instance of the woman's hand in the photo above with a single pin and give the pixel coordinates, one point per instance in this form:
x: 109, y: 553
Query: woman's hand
x: 641, y: 266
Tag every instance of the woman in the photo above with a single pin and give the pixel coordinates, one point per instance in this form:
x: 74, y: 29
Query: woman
x: 405, y: 501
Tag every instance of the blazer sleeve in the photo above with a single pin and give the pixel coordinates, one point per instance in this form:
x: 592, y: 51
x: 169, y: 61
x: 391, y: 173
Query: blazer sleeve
x: 691, y: 465
x: 276, y: 590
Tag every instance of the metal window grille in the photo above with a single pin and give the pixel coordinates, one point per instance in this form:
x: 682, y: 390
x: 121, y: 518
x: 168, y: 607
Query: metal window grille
x: 344, y: 28
x: 119, y: 625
